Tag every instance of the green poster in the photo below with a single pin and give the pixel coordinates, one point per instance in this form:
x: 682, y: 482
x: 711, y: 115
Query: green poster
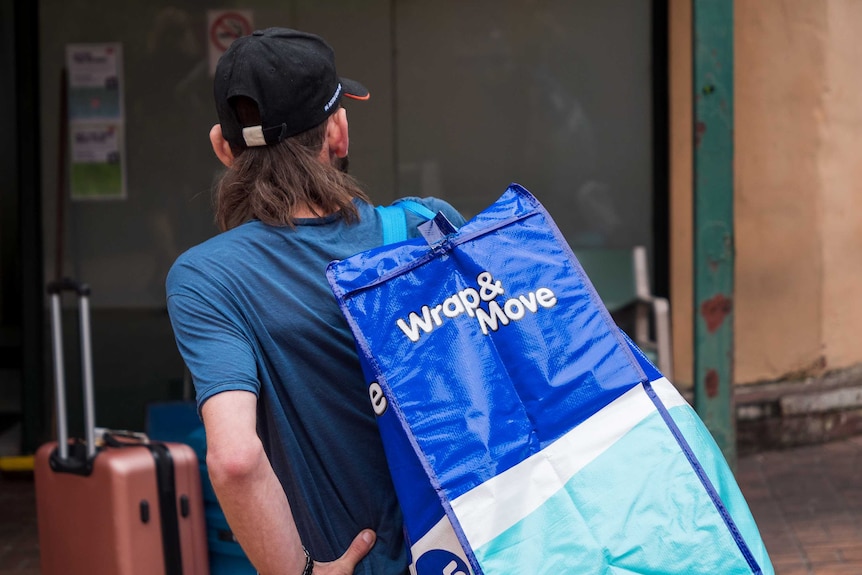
x: 96, y: 121
x: 97, y: 168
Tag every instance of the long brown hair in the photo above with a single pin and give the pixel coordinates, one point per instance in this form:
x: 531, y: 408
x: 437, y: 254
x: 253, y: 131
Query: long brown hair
x: 269, y: 183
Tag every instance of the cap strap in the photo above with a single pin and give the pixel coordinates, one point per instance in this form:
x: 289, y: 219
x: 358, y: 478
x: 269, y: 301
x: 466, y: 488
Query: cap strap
x: 257, y: 135
x: 253, y: 136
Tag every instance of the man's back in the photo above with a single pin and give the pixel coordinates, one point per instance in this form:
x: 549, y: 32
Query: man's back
x: 253, y: 311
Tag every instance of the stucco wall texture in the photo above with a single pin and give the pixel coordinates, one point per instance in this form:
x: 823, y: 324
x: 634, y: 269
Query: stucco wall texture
x: 798, y: 187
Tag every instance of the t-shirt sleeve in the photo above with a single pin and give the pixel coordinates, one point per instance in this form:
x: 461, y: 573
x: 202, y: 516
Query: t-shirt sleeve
x: 210, y: 335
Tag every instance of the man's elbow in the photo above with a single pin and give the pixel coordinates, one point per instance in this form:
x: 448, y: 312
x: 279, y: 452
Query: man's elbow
x: 235, y: 465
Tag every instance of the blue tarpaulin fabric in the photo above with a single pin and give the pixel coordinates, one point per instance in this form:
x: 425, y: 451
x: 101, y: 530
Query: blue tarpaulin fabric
x: 524, y: 431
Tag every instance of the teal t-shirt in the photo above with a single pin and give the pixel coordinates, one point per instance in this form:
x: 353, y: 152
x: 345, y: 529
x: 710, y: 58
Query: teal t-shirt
x: 252, y: 310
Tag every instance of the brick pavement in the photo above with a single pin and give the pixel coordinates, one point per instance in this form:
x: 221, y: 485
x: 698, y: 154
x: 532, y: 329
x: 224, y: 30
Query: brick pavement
x: 807, y: 502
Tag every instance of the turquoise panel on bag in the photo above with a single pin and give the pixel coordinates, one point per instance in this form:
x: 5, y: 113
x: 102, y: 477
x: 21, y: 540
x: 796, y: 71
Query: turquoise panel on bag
x: 525, y: 432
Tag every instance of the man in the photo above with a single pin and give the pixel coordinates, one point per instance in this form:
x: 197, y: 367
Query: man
x: 292, y: 444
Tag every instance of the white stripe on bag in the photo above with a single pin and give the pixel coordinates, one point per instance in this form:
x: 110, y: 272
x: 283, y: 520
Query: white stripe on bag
x: 488, y: 510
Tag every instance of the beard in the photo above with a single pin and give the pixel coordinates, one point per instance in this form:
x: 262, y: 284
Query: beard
x: 341, y: 164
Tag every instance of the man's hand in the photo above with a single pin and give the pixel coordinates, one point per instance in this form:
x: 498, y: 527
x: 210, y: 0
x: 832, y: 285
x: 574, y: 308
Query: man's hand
x: 345, y: 564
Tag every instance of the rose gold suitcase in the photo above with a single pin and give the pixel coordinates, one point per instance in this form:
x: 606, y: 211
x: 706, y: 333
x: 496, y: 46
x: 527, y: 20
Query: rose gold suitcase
x: 118, y: 504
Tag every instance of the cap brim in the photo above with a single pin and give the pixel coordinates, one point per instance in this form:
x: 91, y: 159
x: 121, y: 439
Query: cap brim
x: 354, y: 90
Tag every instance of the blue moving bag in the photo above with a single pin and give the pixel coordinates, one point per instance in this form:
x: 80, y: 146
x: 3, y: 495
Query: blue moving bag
x: 525, y: 433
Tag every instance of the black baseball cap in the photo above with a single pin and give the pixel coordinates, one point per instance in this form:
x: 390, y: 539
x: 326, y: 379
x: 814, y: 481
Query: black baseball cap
x: 289, y: 74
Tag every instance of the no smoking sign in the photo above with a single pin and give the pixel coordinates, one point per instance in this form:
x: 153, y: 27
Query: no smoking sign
x: 223, y: 27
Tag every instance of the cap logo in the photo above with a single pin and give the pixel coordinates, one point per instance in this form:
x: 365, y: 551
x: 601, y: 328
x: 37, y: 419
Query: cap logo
x: 332, y: 100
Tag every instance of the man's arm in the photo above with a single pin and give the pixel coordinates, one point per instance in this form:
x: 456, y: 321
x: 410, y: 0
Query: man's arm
x: 251, y: 496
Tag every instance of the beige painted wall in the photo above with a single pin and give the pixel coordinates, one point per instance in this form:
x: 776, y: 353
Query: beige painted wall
x: 840, y: 165
x: 798, y: 222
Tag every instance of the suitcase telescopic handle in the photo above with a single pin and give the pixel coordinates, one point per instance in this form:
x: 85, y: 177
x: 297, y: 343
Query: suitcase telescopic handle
x: 67, y: 284
x: 55, y: 290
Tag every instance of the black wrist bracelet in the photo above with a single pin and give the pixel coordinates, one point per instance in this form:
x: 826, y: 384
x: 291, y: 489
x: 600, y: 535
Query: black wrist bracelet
x: 309, y: 563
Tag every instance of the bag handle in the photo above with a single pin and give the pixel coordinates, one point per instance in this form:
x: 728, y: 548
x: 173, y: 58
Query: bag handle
x: 121, y: 437
x: 416, y: 208
x: 394, y: 224
x: 394, y: 221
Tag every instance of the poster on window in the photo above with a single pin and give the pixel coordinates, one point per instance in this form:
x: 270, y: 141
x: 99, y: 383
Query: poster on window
x: 96, y: 121
x: 96, y: 167
x: 223, y: 27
